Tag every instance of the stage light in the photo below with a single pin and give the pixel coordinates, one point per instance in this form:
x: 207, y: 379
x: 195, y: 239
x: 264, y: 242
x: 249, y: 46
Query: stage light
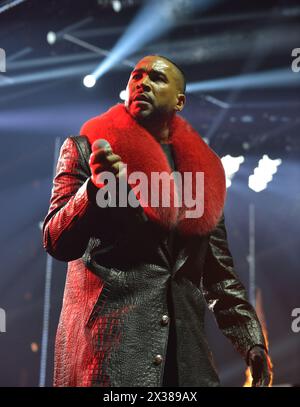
x: 116, y: 5
x: 51, y: 37
x: 34, y: 347
x: 263, y: 173
x: 123, y: 94
x: 231, y: 166
x: 89, y: 81
x: 247, y: 119
x: 246, y: 145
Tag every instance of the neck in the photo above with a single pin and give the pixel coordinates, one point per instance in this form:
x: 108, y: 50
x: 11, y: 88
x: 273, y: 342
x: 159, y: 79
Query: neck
x: 160, y: 130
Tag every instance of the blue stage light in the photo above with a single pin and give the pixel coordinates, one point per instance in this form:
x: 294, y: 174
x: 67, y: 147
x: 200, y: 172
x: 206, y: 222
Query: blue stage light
x: 274, y: 78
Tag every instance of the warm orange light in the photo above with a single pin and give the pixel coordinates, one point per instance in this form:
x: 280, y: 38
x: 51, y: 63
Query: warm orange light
x: 34, y: 347
x: 248, y: 381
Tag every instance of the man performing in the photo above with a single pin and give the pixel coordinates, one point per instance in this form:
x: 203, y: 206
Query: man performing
x: 139, y: 278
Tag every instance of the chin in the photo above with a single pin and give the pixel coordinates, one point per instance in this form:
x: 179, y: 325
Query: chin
x: 140, y: 114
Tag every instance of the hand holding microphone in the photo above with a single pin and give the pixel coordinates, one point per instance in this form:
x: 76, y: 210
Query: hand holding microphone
x: 103, y: 159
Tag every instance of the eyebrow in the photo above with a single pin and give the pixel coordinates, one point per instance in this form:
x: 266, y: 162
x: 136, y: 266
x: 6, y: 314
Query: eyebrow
x: 152, y: 70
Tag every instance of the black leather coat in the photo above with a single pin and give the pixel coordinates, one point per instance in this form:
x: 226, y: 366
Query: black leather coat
x: 128, y: 281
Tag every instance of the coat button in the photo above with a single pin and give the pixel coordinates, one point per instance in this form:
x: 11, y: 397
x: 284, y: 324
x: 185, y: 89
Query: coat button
x: 164, y: 320
x: 158, y: 359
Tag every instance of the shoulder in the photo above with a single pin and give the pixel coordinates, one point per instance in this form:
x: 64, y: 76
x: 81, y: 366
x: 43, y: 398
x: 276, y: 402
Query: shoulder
x: 95, y: 126
x: 91, y: 125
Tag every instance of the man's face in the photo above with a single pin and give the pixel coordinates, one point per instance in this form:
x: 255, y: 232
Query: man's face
x: 153, y: 89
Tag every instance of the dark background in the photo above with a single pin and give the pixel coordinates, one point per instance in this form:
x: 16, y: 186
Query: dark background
x: 228, y: 39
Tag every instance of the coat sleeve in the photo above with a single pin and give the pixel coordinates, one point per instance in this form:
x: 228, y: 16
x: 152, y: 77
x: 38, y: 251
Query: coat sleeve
x: 226, y: 296
x: 73, y: 213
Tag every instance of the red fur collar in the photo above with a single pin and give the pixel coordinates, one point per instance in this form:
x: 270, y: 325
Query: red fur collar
x: 141, y: 152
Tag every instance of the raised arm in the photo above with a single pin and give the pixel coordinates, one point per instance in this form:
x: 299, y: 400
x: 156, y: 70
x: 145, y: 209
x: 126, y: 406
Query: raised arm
x: 73, y: 214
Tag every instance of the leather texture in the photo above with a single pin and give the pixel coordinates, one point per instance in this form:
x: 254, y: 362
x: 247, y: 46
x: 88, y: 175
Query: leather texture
x: 120, y: 270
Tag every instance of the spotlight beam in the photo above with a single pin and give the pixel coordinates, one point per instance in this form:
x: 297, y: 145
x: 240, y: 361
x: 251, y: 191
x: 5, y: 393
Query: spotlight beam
x: 10, y: 5
x: 154, y: 19
x: 53, y: 37
x: 74, y: 26
x: 268, y: 79
x: 265, y: 104
x: 93, y: 48
x: 6, y: 79
x: 19, y: 54
x: 217, y: 102
x: 48, y: 61
x: 99, y: 32
x: 48, y: 75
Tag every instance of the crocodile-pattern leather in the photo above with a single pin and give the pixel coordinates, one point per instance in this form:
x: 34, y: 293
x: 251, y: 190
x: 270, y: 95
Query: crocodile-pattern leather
x: 119, y: 273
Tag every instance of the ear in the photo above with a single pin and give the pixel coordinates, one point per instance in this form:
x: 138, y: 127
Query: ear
x: 180, y: 102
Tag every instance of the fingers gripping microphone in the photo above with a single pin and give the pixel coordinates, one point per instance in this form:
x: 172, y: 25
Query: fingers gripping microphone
x: 105, y: 145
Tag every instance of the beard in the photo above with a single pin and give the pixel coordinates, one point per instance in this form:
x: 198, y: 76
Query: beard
x: 153, y: 117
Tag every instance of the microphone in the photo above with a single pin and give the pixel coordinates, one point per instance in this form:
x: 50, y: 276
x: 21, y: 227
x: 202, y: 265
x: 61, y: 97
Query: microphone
x: 102, y: 143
